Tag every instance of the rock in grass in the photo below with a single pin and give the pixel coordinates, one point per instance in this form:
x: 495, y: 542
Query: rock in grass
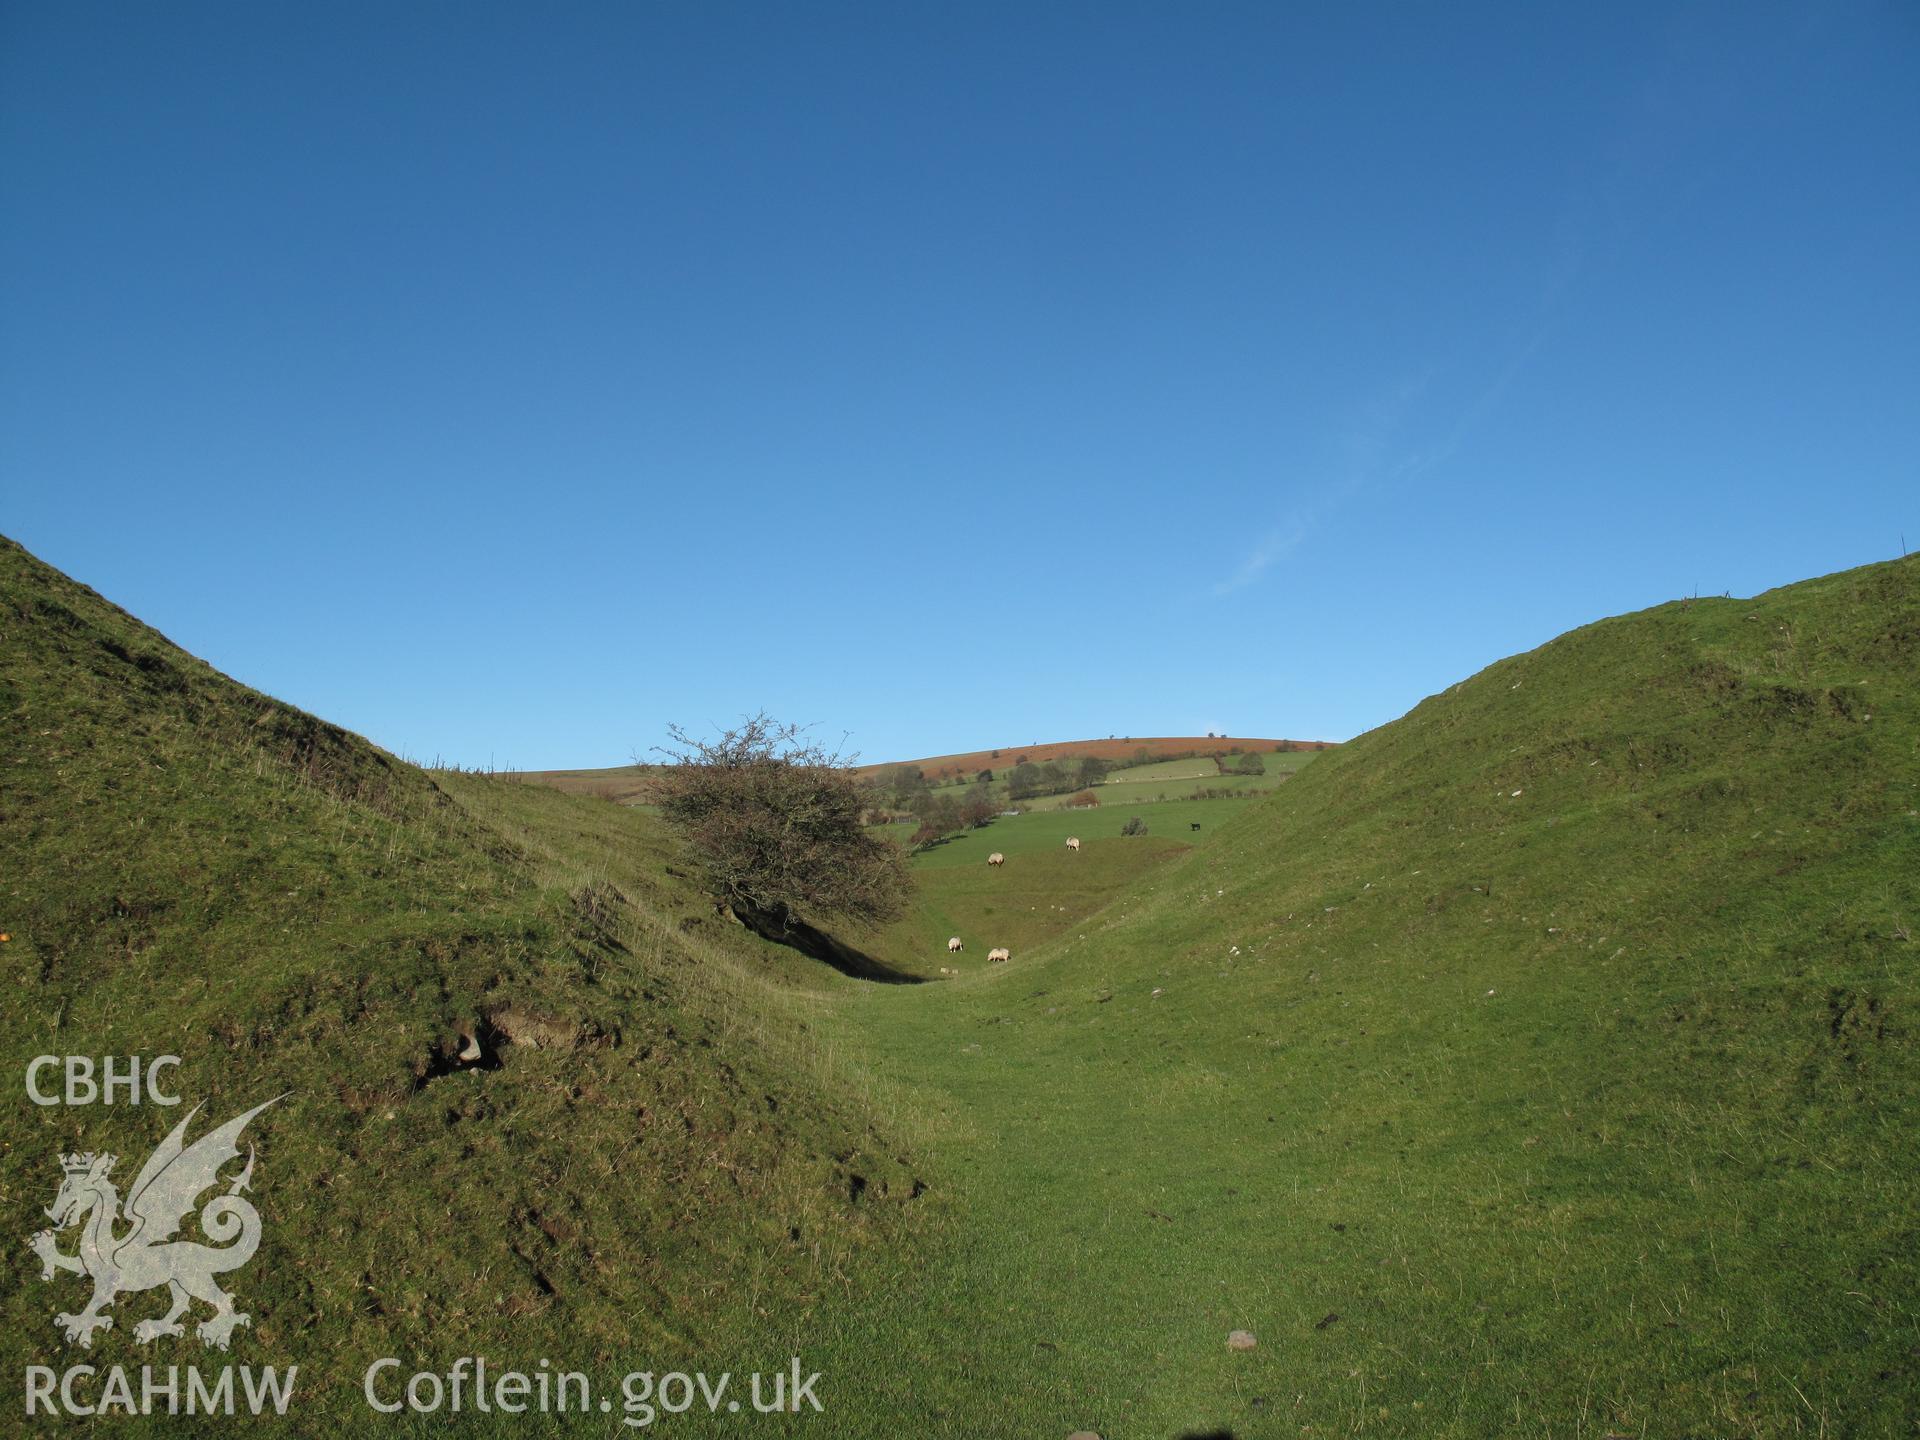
x: 1083, y: 1435
x: 1241, y: 1340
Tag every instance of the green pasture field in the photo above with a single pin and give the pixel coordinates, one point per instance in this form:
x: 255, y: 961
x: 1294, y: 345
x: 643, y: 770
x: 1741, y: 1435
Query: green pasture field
x: 1040, y: 831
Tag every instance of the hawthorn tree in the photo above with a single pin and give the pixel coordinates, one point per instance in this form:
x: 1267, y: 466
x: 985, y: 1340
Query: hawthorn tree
x: 774, y: 822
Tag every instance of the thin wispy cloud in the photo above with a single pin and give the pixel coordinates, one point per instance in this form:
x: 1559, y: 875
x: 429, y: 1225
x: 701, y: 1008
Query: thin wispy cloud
x: 1377, y: 452
x: 1366, y: 450
x: 1276, y: 546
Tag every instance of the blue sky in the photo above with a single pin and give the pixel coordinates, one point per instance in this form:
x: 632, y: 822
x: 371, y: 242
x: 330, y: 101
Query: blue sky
x: 505, y: 382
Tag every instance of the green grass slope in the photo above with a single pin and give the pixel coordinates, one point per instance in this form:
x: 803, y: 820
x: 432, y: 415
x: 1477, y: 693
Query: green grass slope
x: 1039, y: 894
x: 652, y: 1158
x: 1043, y: 889
x: 1542, y: 1063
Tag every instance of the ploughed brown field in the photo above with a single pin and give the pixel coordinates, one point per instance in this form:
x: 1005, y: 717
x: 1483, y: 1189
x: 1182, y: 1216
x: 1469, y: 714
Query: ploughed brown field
x: 628, y: 783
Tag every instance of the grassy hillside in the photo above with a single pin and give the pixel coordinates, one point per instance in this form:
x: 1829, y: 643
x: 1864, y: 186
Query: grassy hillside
x: 1542, y: 1063
x: 1043, y: 889
x: 650, y: 1156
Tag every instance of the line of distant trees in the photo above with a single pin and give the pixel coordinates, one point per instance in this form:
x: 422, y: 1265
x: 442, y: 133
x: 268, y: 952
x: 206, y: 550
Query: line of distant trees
x: 905, y: 792
x: 907, y: 787
x: 948, y: 803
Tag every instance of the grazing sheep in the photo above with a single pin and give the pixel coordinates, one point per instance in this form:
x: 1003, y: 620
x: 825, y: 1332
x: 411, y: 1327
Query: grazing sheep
x: 1073, y: 843
x: 999, y: 955
x: 954, y: 946
x: 996, y: 858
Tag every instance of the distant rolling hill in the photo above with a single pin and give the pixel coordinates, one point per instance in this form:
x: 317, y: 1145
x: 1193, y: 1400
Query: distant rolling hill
x: 1127, y: 748
x: 624, y: 783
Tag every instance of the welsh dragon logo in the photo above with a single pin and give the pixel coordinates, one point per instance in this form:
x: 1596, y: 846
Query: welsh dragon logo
x: 146, y: 1255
